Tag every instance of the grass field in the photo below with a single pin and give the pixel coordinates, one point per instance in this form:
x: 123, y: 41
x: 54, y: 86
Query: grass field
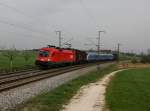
x: 123, y: 57
x: 18, y: 62
x: 55, y: 99
x: 129, y: 91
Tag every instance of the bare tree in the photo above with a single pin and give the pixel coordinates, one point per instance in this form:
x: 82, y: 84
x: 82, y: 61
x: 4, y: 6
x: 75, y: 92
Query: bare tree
x: 26, y: 55
x: 148, y: 52
x: 10, y: 54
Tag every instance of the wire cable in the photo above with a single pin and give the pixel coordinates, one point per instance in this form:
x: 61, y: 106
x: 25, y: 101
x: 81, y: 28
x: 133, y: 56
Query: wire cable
x: 89, y: 14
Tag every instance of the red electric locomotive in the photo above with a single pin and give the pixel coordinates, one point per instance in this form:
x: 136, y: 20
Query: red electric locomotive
x: 51, y: 55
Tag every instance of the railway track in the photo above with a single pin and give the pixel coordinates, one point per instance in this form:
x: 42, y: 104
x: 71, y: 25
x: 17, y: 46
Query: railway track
x: 7, y: 75
x: 13, y: 80
x: 20, y: 71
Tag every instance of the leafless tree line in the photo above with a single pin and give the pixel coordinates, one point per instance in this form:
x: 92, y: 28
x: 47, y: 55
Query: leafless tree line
x: 12, y: 53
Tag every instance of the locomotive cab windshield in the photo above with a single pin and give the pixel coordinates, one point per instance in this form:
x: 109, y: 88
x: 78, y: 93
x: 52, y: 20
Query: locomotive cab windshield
x: 43, y: 53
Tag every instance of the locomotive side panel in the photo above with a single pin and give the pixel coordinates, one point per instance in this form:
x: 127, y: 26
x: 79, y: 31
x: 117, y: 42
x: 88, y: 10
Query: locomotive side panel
x: 67, y: 56
x: 56, y: 56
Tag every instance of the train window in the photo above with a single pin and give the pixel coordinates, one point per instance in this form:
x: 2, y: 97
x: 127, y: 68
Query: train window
x: 44, y: 53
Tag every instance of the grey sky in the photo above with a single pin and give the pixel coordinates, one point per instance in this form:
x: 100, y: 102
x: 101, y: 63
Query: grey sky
x: 32, y: 23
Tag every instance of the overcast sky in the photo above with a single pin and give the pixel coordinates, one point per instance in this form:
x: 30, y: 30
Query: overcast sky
x: 32, y: 23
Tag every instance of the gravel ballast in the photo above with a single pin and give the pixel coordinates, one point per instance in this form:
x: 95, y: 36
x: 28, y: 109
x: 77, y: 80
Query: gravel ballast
x: 9, y: 99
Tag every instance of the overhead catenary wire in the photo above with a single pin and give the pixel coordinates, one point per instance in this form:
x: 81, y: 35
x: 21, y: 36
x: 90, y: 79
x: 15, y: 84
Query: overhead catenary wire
x: 92, y: 18
x: 25, y: 35
x: 92, y: 42
x: 16, y: 10
x: 68, y: 32
x: 21, y: 25
x: 26, y: 15
x: 85, y: 8
x: 67, y: 42
x: 36, y: 33
x: 22, y: 13
x: 89, y: 14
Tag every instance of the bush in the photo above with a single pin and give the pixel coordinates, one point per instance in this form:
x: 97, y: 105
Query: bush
x: 145, y: 59
x: 134, y: 61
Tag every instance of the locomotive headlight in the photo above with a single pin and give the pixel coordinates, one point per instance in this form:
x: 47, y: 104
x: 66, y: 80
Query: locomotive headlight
x: 42, y: 59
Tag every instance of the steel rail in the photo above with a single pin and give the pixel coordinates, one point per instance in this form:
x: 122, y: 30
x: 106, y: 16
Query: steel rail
x: 12, y: 81
x: 13, y: 84
x: 29, y: 75
x: 18, y: 74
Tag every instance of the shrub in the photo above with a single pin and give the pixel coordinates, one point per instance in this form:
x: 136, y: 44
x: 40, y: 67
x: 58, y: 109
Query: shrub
x: 134, y: 60
x: 145, y: 59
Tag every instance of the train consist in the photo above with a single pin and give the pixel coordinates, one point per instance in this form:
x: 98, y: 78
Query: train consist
x: 51, y: 56
x: 100, y: 57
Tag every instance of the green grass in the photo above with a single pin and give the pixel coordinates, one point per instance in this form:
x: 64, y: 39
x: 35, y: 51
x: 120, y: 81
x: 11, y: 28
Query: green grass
x: 55, y: 99
x: 129, y: 91
x: 19, y: 62
x: 123, y: 57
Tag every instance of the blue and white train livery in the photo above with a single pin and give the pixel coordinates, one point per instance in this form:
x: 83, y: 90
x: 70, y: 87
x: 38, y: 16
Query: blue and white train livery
x: 99, y: 57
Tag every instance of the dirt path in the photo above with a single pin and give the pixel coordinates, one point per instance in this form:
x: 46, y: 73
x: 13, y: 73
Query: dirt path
x: 90, y: 97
